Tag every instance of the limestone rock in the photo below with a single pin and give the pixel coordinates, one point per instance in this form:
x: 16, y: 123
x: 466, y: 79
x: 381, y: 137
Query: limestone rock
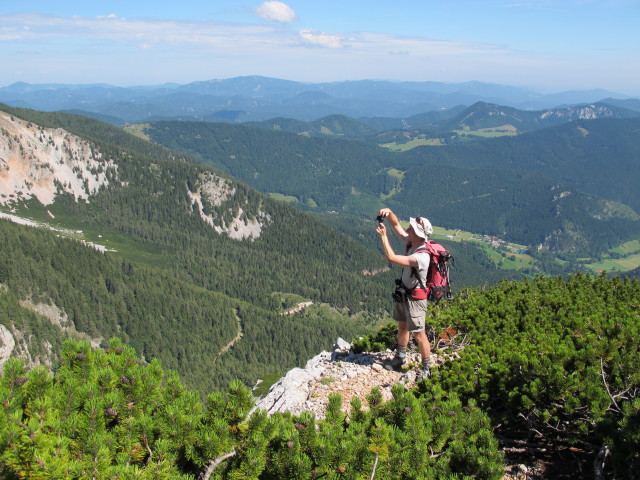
x: 340, y: 371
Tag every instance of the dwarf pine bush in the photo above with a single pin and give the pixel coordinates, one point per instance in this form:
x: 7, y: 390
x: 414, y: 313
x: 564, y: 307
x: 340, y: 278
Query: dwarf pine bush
x: 558, y: 357
x: 105, y: 414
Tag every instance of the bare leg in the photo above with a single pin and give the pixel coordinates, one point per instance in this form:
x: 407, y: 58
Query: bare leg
x: 423, y: 344
x: 403, y: 334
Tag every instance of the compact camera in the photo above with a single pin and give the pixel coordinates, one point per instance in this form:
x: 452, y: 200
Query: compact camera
x: 380, y: 219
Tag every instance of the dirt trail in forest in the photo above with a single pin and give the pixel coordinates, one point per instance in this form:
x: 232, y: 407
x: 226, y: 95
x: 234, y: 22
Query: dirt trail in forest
x: 235, y: 339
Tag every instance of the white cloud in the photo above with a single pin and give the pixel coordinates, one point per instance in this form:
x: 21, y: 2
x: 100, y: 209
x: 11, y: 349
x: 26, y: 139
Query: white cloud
x: 276, y: 12
x: 321, y: 39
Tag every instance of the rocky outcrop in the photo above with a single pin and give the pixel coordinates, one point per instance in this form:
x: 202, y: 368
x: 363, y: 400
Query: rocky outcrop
x: 7, y: 344
x: 213, y: 191
x: 38, y: 162
x: 341, y: 371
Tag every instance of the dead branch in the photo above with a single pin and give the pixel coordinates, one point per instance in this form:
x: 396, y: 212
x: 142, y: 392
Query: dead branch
x: 375, y: 465
x: 606, y: 386
x: 214, y: 463
x: 527, y: 450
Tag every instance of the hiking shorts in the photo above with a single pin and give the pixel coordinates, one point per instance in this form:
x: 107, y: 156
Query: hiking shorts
x: 413, y: 312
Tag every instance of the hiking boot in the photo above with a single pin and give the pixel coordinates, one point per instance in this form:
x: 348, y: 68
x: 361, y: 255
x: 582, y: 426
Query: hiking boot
x: 424, y: 373
x: 395, y: 363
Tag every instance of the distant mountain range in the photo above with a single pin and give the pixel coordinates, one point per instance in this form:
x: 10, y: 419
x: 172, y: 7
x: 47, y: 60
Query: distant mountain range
x: 448, y: 126
x: 255, y: 98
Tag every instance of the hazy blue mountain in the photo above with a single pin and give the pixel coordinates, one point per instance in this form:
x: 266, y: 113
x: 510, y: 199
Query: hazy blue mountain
x: 261, y: 98
x: 428, y: 120
x: 630, y: 103
x: 484, y: 115
x: 450, y: 125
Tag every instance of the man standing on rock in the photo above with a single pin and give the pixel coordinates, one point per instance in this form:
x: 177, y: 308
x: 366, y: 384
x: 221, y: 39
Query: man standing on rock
x: 410, y: 298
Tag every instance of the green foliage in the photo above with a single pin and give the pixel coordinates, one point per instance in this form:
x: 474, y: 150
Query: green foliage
x: 385, y: 337
x: 407, y: 437
x: 549, y: 355
x: 560, y: 356
x: 101, y: 415
x: 104, y: 414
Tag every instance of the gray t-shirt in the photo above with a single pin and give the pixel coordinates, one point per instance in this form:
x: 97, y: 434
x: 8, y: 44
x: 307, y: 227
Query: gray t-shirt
x: 408, y: 279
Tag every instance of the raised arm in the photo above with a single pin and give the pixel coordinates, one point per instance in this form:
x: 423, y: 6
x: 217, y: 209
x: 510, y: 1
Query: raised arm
x: 390, y: 255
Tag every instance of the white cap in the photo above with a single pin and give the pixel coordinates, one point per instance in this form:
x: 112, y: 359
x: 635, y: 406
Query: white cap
x: 421, y: 226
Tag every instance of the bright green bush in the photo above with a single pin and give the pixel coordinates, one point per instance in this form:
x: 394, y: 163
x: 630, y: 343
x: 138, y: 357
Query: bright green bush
x: 104, y: 414
x: 554, y: 356
x: 407, y: 437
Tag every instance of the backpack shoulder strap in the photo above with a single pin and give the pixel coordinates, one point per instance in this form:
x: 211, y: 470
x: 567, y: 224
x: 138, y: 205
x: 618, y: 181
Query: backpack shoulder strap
x: 423, y: 248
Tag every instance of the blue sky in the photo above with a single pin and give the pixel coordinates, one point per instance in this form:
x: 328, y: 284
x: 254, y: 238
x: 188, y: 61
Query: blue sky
x: 549, y: 46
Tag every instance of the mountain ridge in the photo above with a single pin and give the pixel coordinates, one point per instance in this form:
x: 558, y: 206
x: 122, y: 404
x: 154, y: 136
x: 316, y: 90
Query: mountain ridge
x: 261, y: 98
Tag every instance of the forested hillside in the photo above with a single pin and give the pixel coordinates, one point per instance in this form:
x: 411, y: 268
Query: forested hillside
x: 159, y: 313
x: 596, y: 156
x: 496, y: 187
x: 549, y: 371
x: 449, y: 126
x: 179, y: 288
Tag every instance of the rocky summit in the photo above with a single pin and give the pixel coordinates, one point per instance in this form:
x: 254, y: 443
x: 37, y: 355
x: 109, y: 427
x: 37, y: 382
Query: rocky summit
x: 344, y: 372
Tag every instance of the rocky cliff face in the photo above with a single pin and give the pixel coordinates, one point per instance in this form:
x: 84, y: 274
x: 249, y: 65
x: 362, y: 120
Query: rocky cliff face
x: 214, y: 191
x: 38, y: 162
x: 347, y: 373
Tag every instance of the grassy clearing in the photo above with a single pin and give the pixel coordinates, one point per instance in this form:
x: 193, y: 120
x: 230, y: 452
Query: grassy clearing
x: 267, y: 381
x: 623, y: 258
x: 288, y: 300
x: 399, y: 176
x: 508, y: 256
x: 138, y: 129
x: 284, y: 198
x: 501, y: 131
x: 624, y: 264
x: 628, y: 248
x: 413, y: 143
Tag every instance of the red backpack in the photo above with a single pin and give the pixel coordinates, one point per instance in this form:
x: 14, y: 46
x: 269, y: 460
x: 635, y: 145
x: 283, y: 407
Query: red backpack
x: 438, y: 281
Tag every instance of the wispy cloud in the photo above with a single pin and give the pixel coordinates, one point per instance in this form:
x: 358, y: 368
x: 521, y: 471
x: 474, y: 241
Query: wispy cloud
x: 38, y: 27
x: 239, y: 37
x: 321, y: 39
